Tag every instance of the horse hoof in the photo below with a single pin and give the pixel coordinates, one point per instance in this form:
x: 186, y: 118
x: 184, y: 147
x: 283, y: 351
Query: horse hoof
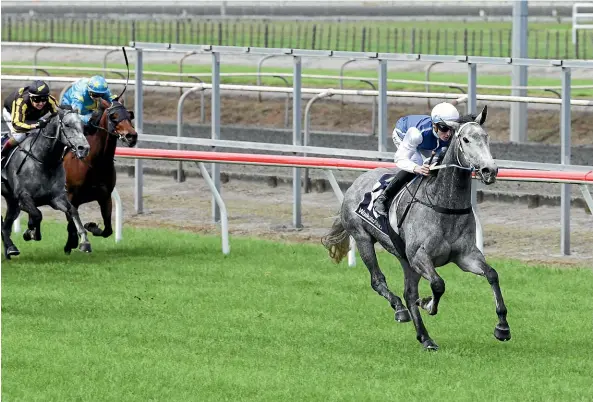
x: 85, y: 247
x: 27, y: 235
x: 430, y: 345
x: 402, y: 316
x: 93, y: 228
x: 502, y: 333
x: 427, y: 304
x: 12, y: 250
x: 67, y: 250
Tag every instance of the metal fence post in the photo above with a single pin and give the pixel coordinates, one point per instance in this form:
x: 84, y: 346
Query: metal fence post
x: 518, y: 122
x: 215, y: 128
x: 472, y: 79
x: 296, y: 140
x: 382, y: 117
x: 180, y: 173
x: 139, y: 122
x: 565, y: 129
x: 471, y: 107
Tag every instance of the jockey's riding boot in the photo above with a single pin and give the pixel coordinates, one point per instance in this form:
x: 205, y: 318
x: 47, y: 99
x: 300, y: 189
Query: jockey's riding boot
x: 383, y: 200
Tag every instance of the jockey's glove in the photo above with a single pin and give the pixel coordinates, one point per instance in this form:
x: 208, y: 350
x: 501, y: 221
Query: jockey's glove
x: 42, y: 122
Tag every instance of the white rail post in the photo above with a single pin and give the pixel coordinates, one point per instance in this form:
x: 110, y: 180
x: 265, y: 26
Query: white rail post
x: 296, y: 140
x: 565, y: 129
x: 119, y: 216
x: 382, y: 110
x: 139, y: 125
x: 519, y: 76
x: 472, y: 106
x: 215, y: 129
x: 224, y: 221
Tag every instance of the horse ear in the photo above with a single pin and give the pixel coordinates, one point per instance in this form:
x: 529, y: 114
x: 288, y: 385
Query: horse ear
x: 481, y: 118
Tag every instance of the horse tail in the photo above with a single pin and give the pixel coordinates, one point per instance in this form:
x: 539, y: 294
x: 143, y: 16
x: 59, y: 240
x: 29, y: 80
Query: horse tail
x: 336, y: 241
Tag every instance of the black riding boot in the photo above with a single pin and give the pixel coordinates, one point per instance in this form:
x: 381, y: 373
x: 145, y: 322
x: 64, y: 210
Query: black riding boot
x: 399, y: 180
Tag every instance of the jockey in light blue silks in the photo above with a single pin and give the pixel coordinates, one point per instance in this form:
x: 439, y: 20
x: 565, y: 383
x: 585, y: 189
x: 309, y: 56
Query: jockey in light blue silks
x: 416, y: 137
x: 85, y: 94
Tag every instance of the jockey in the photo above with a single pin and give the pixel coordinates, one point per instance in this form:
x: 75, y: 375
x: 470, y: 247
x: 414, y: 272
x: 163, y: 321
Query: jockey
x: 85, y: 94
x: 416, y: 137
x: 27, y: 108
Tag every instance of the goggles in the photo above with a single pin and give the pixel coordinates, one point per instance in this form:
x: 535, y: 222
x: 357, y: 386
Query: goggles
x: 39, y: 99
x: 94, y: 95
x: 443, y: 127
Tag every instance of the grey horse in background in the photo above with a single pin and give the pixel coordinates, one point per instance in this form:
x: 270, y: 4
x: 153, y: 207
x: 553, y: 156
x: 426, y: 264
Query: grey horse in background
x: 34, y: 176
x: 439, y: 228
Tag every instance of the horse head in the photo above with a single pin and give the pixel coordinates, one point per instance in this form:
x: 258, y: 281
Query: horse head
x: 70, y: 132
x: 472, y: 147
x: 119, y: 123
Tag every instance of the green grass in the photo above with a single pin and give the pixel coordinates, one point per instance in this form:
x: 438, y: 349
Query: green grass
x: 546, y: 40
x: 165, y: 316
x: 483, y: 79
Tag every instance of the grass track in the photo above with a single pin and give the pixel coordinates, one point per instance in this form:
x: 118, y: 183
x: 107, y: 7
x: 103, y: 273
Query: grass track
x: 164, y: 316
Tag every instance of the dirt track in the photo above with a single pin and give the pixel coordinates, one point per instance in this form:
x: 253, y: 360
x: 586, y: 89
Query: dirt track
x: 258, y: 210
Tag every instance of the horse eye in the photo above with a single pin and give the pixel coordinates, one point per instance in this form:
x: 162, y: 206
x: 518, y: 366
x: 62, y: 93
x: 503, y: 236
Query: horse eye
x: 465, y: 140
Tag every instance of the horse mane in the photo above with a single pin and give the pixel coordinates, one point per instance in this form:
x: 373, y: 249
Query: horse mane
x: 467, y: 118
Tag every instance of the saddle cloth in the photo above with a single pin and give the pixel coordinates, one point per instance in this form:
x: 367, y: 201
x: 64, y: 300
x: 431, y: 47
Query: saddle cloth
x: 366, y: 210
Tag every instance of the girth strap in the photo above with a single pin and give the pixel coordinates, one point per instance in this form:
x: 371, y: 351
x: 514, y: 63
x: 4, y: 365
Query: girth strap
x: 447, y: 211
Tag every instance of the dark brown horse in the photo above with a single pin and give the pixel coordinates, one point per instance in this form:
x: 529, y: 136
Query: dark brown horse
x: 93, y: 178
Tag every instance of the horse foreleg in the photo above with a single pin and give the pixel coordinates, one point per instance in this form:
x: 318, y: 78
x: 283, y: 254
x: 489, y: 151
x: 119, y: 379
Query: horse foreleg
x: 61, y: 203
x: 12, y: 212
x: 106, y: 205
x: 33, y: 231
x: 422, y: 264
x: 411, y: 279
x: 476, y: 264
x: 378, y: 282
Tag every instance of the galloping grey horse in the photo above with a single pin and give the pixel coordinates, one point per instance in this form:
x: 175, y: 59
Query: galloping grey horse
x: 439, y: 228
x: 34, y: 176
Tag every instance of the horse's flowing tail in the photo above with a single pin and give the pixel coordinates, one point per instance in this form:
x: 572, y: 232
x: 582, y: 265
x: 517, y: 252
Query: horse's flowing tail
x: 337, y: 241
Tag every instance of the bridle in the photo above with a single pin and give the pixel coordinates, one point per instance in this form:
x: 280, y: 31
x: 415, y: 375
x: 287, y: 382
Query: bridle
x: 458, y: 150
x: 111, y: 125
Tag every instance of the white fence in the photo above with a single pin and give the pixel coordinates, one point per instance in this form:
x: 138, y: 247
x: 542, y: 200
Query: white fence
x: 580, y: 16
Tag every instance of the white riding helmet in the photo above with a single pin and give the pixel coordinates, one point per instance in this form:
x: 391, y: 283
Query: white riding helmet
x: 444, y: 113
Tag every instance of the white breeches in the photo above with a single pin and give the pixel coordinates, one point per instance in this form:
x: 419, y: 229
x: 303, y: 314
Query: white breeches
x: 19, y: 137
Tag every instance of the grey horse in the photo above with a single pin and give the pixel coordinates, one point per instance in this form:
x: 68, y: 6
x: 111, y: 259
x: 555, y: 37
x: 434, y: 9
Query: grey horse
x: 34, y: 176
x: 438, y: 227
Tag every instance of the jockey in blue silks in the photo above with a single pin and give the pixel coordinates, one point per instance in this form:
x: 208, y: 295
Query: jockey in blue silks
x: 416, y: 137
x: 85, y: 94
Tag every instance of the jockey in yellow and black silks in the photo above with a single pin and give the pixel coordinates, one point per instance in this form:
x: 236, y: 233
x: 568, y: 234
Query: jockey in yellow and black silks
x: 26, y: 109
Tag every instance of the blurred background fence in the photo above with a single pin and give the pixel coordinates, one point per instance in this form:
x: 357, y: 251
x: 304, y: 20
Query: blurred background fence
x: 447, y: 38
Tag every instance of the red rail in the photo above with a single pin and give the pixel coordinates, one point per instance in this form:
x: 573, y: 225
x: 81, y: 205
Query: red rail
x: 330, y: 163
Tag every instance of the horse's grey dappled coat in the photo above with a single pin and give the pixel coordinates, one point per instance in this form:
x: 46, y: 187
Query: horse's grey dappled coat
x: 438, y: 228
x: 35, y: 176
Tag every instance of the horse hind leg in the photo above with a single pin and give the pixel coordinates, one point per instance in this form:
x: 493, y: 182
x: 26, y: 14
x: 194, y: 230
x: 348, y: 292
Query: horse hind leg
x: 378, y: 283
x: 106, y: 206
x: 476, y: 264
